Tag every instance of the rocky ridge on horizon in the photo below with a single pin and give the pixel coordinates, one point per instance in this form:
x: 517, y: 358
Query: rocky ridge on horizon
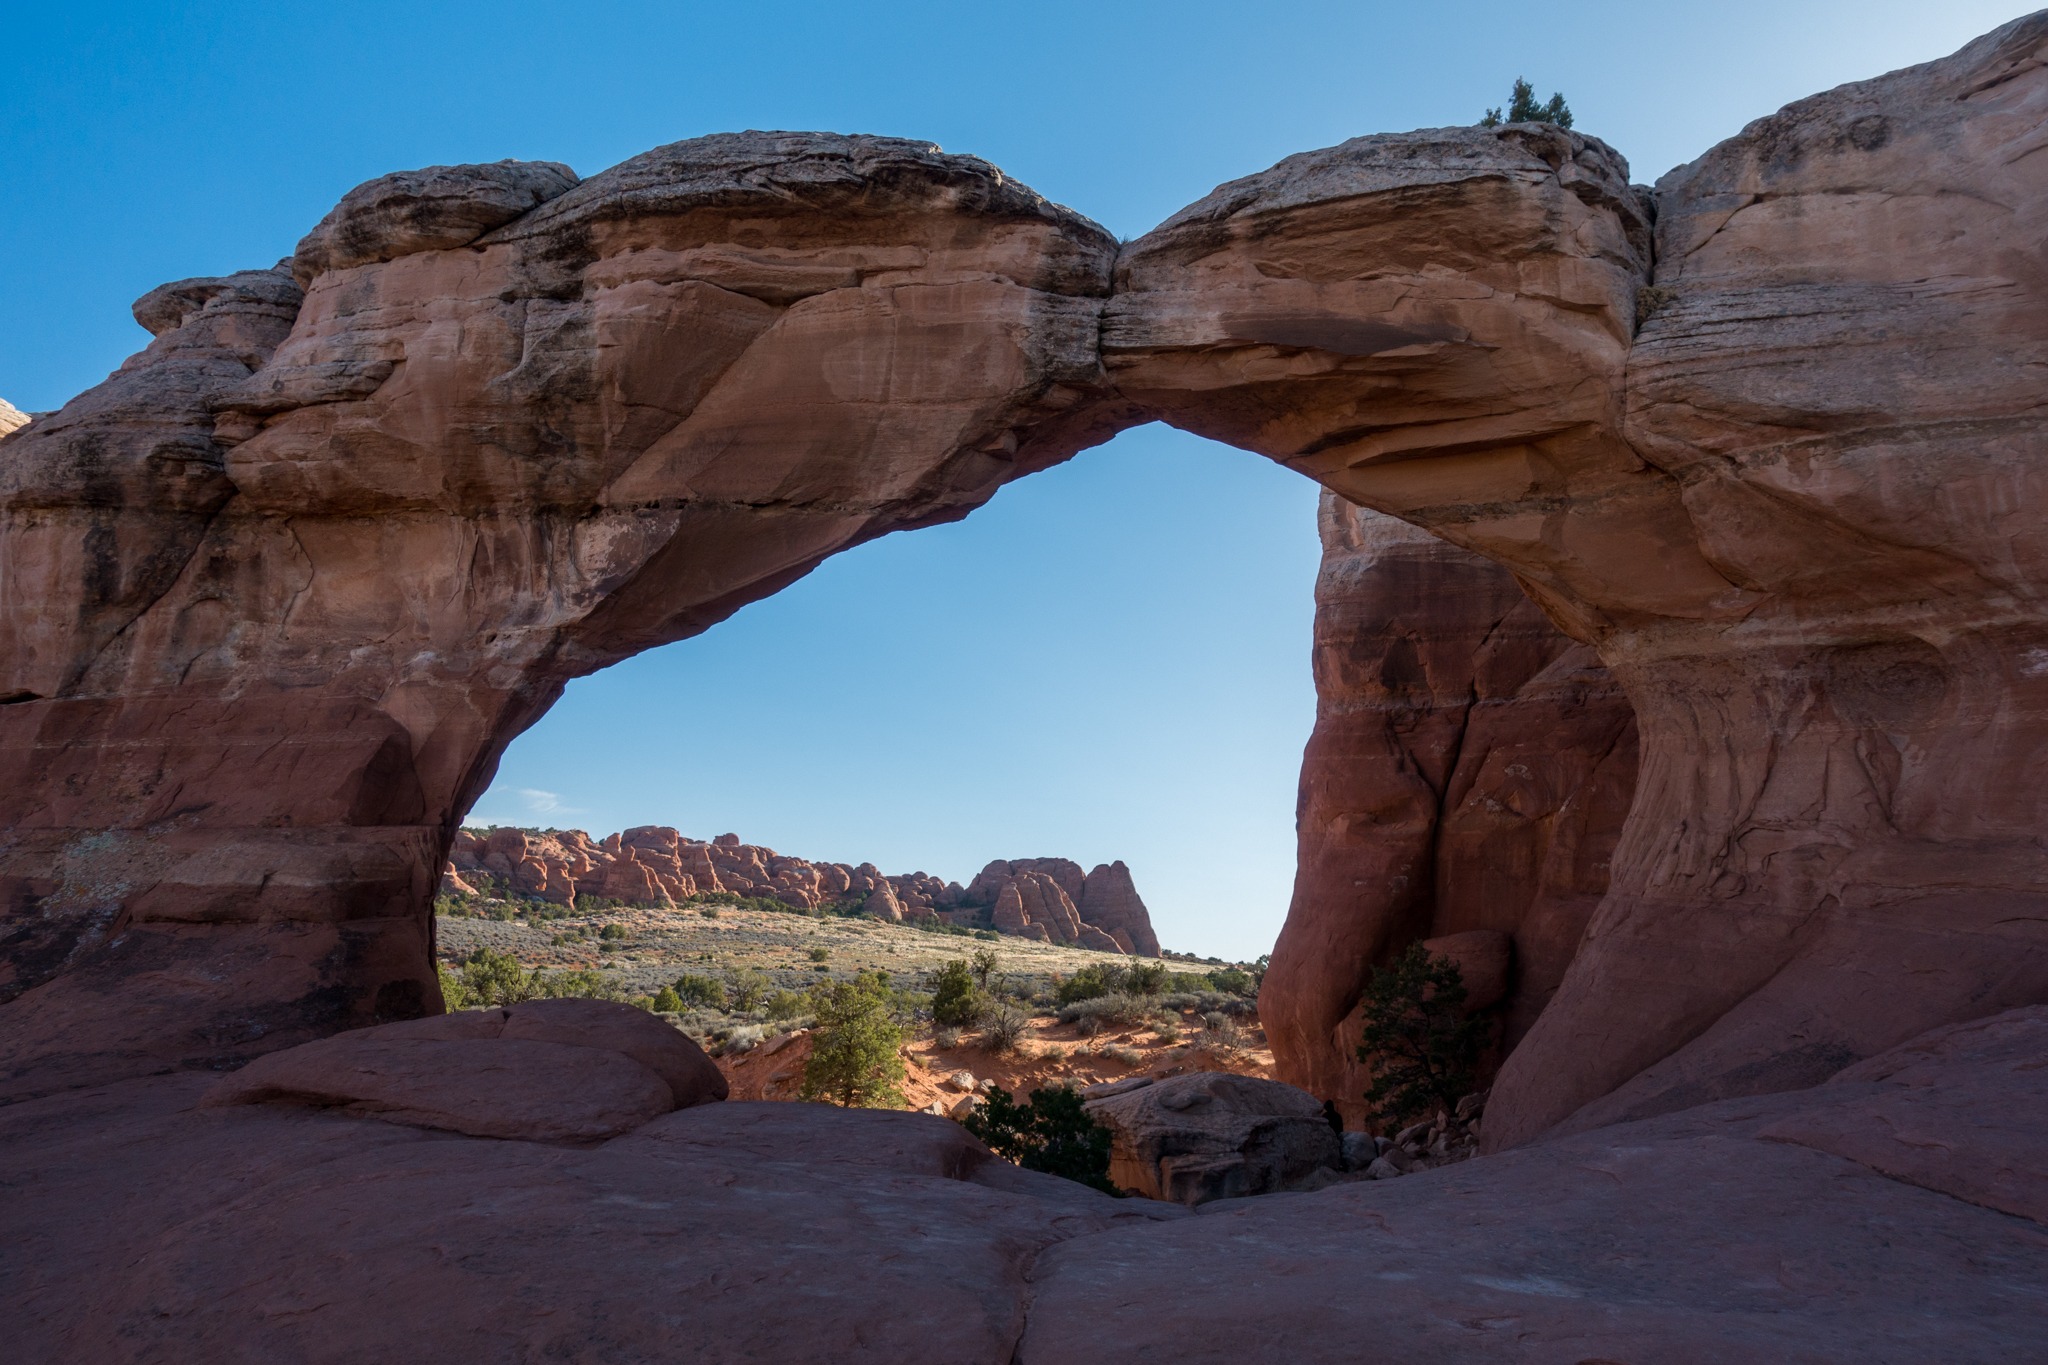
x: 1048, y: 899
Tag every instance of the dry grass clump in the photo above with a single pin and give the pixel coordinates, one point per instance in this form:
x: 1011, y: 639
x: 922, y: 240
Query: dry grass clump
x: 1002, y: 1025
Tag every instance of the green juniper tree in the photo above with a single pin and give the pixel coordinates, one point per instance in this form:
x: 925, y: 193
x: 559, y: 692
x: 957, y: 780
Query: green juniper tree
x: 956, y: 1001
x: 854, y: 1057
x: 1049, y: 1132
x: 1523, y: 108
x: 1422, y: 1049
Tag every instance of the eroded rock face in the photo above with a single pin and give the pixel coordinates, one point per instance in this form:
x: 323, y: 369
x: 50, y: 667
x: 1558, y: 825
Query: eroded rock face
x: 1772, y: 511
x: 1469, y: 773
x: 278, y: 593
x: 1044, y: 898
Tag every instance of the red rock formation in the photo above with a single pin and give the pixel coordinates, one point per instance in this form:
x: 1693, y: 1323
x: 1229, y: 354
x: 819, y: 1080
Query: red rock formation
x: 1469, y: 770
x: 1100, y: 910
x: 275, y: 596
x: 655, y: 865
x: 1777, y: 470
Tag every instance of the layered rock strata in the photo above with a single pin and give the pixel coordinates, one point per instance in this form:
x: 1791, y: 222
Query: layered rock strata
x: 656, y: 865
x: 1468, y: 774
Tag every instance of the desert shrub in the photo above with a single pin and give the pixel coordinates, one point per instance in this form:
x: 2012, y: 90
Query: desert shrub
x: 947, y: 1038
x: 1002, y: 1025
x: 1105, y: 1010
x: 709, y: 912
x: 1233, y: 981
x: 1523, y: 108
x: 742, y: 1039
x: 854, y: 1059
x: 666, y: 1001
x: 786, y: 1005
x: 454, y: 995
x: 989, y: 934
x: 612, y: 931
x: 1123, y: 1056
x: 1050, y: 1132
x: 580, y: 985
x: 1166, y: 1031
x: 1219, y: 1030
x: 1422, y: 1049
x: 983, y: 965
x: 1145, y: 978
x: 1092, y: 982
x: 490, y: 977
x: 956, y: 1000
x: 820, y: 954
x: 747, y: 988
x: 1054, y: 1054
x: 705, y: 991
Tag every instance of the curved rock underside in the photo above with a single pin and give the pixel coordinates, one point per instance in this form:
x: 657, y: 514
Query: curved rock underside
x: 275, y: 596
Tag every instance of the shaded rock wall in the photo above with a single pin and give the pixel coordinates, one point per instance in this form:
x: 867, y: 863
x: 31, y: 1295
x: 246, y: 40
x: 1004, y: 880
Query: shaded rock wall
x: 1469, y: 770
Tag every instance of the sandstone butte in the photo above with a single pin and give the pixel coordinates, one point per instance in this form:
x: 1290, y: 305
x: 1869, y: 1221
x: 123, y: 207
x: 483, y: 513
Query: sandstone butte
x: 1048, y: 899
x: 1741, y: 784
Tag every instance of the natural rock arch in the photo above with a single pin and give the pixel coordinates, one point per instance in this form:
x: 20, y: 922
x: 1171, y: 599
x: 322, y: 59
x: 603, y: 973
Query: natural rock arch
x: 277, y: 594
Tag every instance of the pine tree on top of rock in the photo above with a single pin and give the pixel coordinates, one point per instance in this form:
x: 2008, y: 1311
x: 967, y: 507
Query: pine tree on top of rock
x: 1523, y: 108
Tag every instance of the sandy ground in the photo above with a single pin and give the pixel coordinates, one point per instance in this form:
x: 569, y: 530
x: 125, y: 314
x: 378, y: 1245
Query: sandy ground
x: 1050, y: 1053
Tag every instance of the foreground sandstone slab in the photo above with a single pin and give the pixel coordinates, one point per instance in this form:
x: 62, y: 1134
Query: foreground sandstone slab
x: 137, y: 1226
x: 545, y: 1071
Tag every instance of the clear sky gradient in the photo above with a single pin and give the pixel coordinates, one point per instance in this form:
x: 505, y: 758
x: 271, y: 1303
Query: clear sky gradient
x: 1111, y: 659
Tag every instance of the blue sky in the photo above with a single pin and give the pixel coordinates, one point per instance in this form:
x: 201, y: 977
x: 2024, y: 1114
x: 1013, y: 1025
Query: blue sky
x: 1111, y: 660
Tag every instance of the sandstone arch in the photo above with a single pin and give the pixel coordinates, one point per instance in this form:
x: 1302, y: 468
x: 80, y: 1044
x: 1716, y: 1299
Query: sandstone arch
x: 277, y: 593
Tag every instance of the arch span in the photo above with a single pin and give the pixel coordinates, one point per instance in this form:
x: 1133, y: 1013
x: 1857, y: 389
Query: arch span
x: 278, y: 593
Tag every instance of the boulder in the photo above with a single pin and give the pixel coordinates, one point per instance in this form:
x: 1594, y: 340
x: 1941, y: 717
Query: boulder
x: 485, y: 1087
x: 692, y: 1077
x: 1211, y: 1135
x: 435, y: 209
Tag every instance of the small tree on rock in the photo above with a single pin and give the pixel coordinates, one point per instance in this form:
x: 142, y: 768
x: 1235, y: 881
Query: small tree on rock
x: 1523, y: 108
x: 1422, y: 1049
x: 854, y: 1059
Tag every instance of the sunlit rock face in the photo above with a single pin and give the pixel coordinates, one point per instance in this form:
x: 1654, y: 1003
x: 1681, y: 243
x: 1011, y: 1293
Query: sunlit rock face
x: 1783, y: 472
x: 1470, y: 770
x: 279, y: 592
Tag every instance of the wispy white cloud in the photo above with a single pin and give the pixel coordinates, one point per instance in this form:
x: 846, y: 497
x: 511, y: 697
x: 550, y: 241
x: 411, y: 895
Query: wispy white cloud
x: 538, y: 802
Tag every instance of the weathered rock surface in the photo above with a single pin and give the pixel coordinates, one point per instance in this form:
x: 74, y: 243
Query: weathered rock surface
x: 1210, y: 1135
x: 1469, y: 772
x: 798, y: 1232
x: 11, y: 417
x: 545, y: 1071
x: 274, y: 597
x: 656, y: 865
x: 1756, y: 469
x: 1704, y: 1236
